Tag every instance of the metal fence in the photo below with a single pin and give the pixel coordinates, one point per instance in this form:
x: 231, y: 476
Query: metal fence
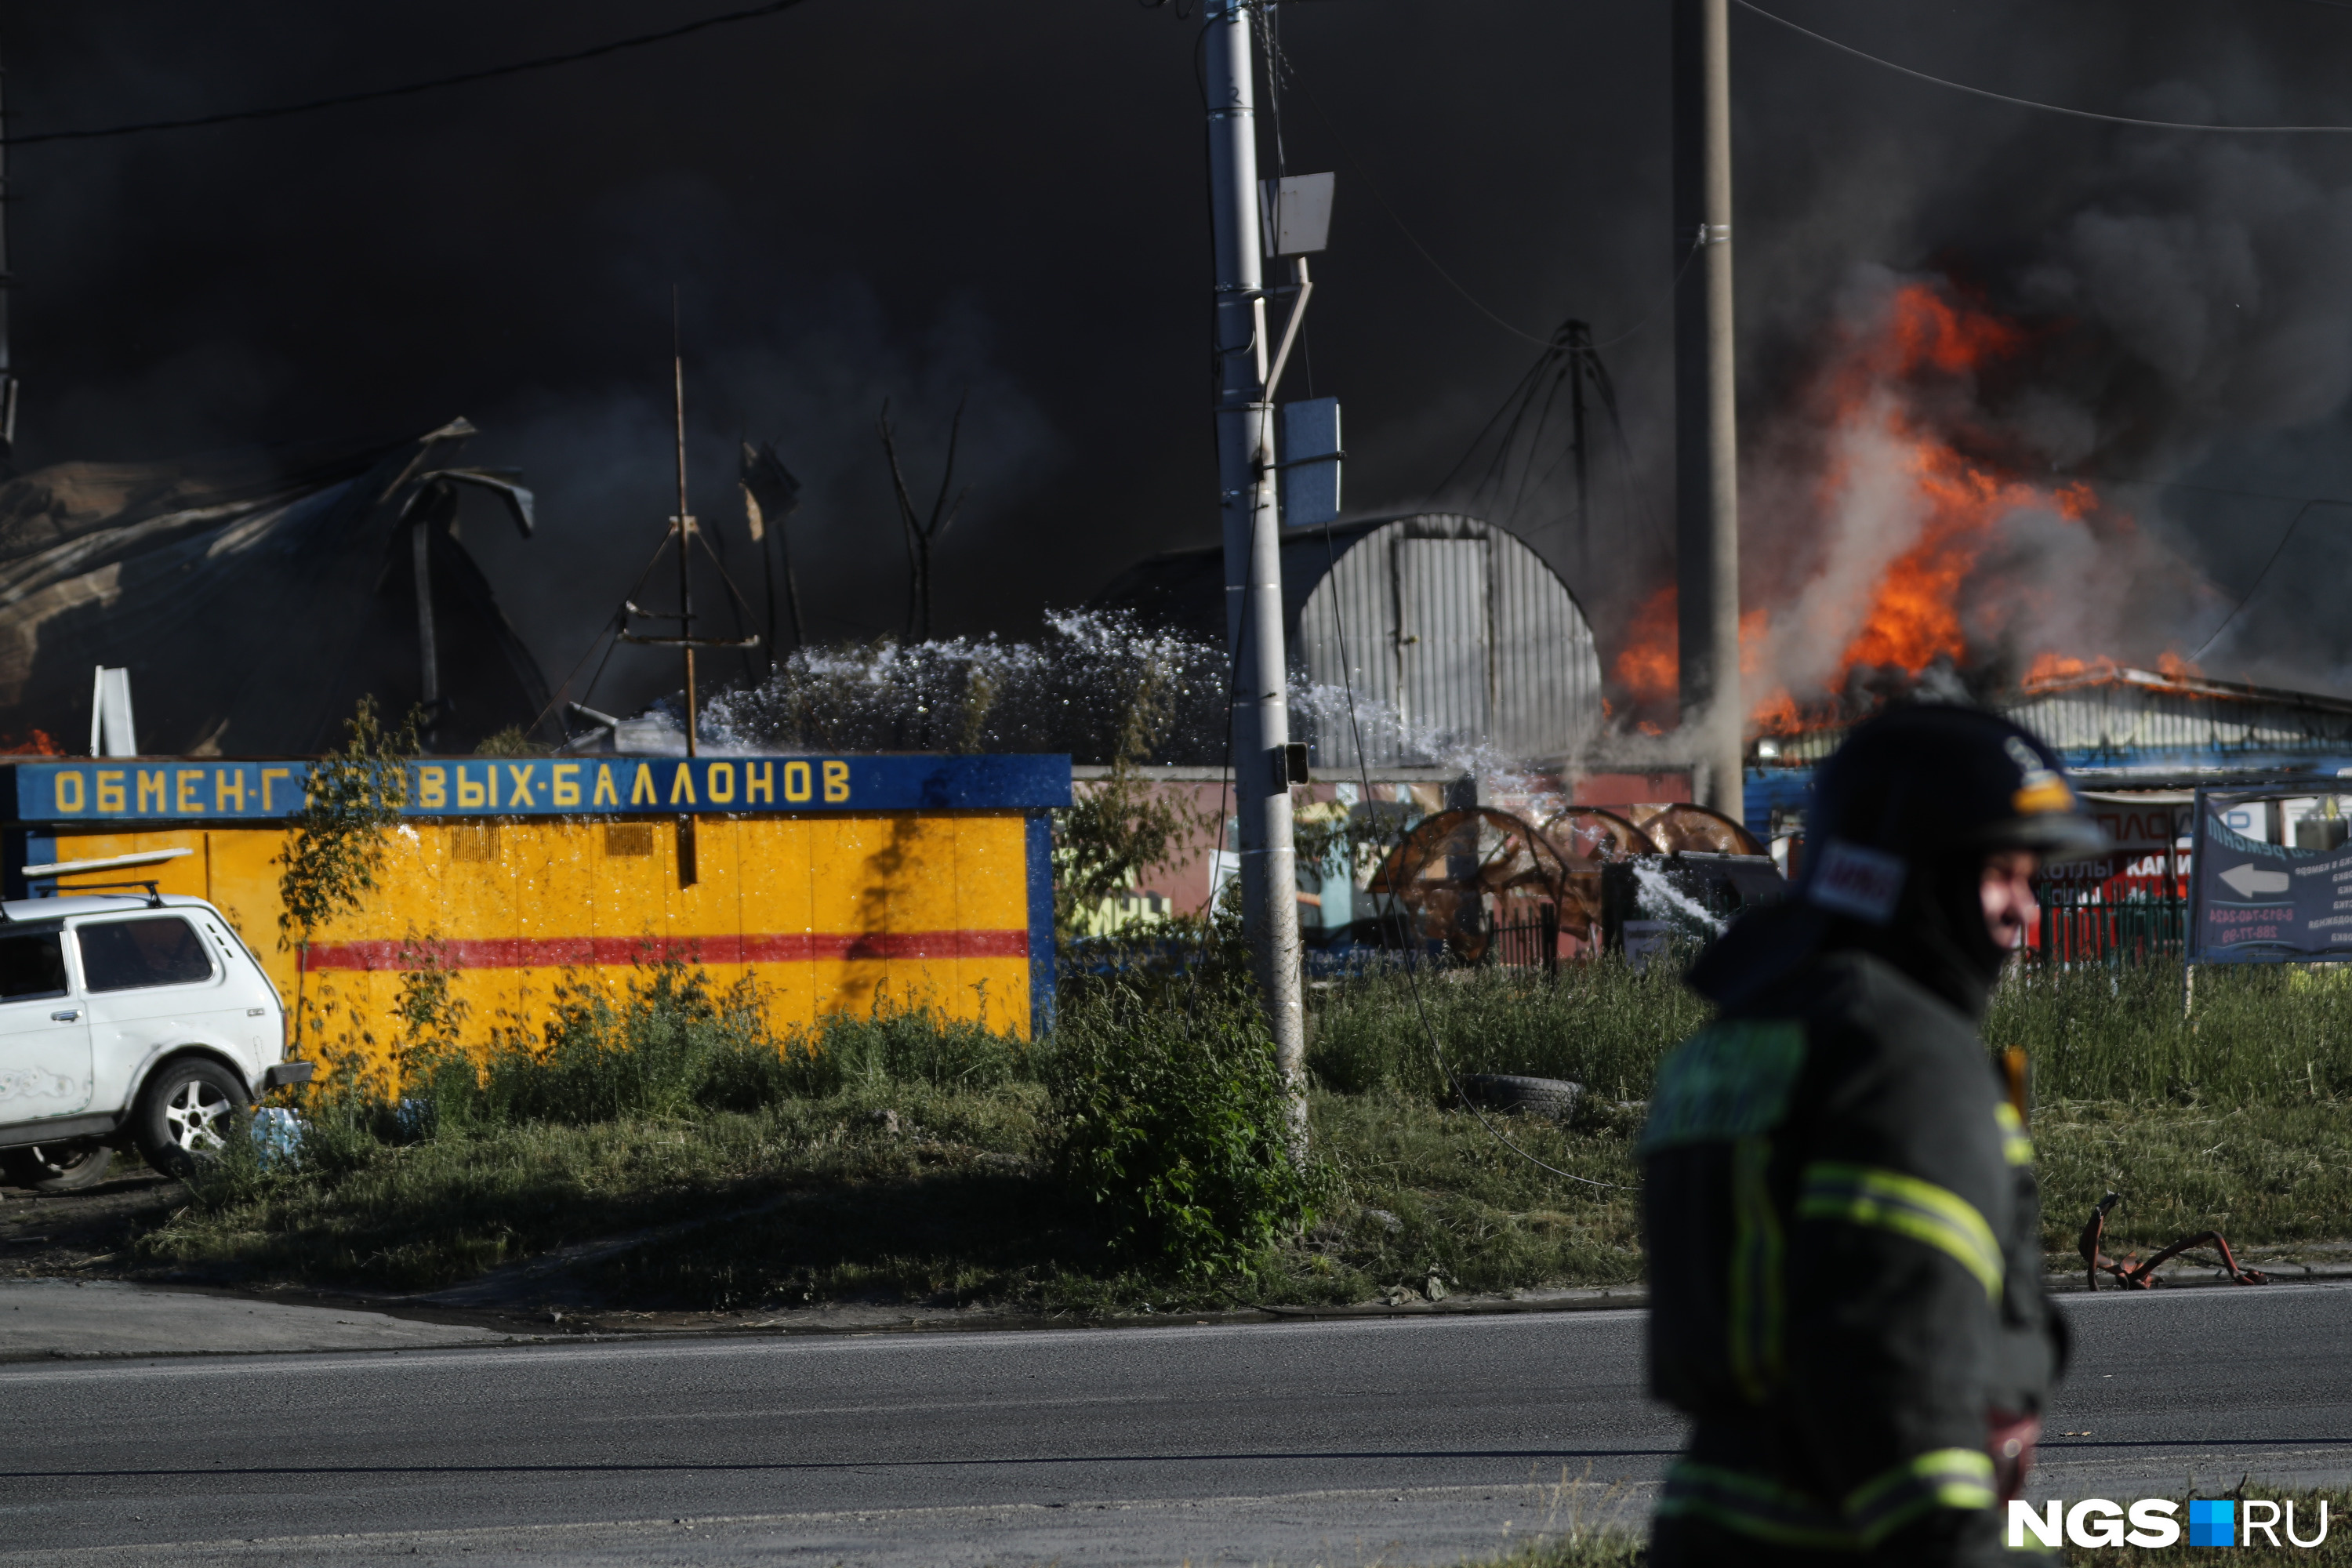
x: 1528, y: 944
x: 2124, y: 920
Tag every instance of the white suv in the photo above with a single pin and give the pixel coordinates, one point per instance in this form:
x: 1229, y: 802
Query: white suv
x: 128, y: 1021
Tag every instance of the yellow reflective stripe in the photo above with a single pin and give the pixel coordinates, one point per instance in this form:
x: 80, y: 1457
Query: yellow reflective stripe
x: 1755, y: 1286
x: 1889, y: 1200
x: 1752, y: 1507
x: 1944, y: 1478
x: 2015, y: 1146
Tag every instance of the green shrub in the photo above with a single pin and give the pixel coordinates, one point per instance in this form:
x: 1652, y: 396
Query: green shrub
x: 1174, y: 1124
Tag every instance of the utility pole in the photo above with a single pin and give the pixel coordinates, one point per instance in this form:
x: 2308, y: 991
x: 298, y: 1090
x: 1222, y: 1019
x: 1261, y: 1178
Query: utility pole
x: 1245, y: 475
x: 1579, y: 352
x: 7, y: 367
x: 1706, y: 451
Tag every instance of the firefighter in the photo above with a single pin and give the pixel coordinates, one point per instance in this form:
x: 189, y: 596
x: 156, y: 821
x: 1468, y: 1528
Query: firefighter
x: 1843, y: 1227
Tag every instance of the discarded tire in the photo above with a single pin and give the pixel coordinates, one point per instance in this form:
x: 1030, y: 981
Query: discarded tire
x: 1554, y: 1098
x: 56, y: 1167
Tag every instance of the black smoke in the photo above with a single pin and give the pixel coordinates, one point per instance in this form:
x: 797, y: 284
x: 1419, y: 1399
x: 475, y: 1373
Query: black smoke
x: 929, y: 202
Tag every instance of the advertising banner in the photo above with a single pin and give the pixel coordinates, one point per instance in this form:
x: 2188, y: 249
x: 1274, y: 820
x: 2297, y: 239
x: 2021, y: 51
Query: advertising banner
x: 2142, y: 829
x: 2256, y: 902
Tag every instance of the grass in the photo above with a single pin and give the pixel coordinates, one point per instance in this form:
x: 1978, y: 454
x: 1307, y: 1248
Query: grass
x: 903, y: 1158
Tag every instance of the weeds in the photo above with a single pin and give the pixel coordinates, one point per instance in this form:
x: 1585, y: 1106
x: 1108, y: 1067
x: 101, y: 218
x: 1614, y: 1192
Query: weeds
x: 1137, y: 1156
x: 1601, y: 1024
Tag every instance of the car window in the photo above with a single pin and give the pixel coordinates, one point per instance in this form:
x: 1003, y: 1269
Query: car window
x: 32, y: 964
x: 122, y: 955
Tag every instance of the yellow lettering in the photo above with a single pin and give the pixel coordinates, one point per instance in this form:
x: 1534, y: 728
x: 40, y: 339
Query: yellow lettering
x: 469, y: 791
x: 493, y: 781
x: 69, y: 791
x: 432, y: 786
x: 721, y: 773
x: 605, y: 794
x: 151, y: 786
x: 267, y: 775
x: 189, y: 779
x: 681, y: 784
x: 111, y: 795
x: 641, y: 788
x: 797, y: 781
x: 760, y: 783
x: 836, y: 781
x: 567, y: 783
x: 229, y: 789
x: 521, y: 773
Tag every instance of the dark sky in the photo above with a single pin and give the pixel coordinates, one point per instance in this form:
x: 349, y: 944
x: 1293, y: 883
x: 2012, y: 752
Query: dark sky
x: 925, y: 201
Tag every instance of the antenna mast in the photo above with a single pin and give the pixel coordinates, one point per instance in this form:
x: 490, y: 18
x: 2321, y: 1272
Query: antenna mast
x: 683, y: 522
x: 682, y: 533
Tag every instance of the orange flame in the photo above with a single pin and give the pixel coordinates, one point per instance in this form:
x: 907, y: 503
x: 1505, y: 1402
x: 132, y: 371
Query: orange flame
x: 1650, y: 667
x: 1913, y: 617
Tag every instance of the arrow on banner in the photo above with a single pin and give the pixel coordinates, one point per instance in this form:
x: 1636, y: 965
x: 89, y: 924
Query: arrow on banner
x: 2250, y: 883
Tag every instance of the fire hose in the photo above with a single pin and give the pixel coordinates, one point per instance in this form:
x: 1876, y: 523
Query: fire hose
x: 2138, y: 1276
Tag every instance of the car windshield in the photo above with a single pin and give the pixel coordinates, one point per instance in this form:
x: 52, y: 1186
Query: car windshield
x: 161, y: 950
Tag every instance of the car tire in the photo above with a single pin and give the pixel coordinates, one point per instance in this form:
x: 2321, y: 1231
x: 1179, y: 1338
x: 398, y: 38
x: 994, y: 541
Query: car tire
x: 56, y: 1167
x: 187, y: 1112
x: 1554, y: 1098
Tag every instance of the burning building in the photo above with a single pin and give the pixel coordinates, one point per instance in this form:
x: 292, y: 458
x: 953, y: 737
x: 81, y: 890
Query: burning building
x: 1927, y: 524
x: 255, y: 596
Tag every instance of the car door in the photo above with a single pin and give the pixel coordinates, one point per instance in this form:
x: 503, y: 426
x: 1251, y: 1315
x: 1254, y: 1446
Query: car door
x: 44, y: 1050
x: 151, y: 984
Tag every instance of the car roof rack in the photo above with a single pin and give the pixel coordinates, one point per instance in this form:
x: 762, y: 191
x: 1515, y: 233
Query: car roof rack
x: 154, y: 899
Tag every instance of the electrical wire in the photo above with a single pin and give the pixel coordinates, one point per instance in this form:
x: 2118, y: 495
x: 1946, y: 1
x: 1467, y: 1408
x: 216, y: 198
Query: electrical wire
x: 2045, y: 108
x: 2276, y: 550
x: 1281, y: 58
x: 373, y: 95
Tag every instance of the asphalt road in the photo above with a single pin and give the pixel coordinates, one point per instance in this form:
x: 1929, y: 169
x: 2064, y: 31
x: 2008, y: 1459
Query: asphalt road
x: 1415, y: 1440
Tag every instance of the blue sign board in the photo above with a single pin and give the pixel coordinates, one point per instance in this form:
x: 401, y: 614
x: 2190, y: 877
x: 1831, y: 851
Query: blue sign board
x: 2255, y: 902
x: 192, y: 789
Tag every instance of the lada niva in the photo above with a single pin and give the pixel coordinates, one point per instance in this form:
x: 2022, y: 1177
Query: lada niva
x: 128, y: 1022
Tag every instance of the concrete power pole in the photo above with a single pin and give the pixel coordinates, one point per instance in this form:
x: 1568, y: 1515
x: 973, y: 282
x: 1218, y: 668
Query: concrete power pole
x: 7, y: 367
x: 1707, y: 436
x: 1245, y: 475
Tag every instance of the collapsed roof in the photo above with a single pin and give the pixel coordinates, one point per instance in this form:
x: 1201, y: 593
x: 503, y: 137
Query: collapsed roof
x: 255, y: 597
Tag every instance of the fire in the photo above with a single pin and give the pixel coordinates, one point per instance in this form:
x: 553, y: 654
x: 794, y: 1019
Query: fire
x: 1897, y: 384
x: 1651, y: 664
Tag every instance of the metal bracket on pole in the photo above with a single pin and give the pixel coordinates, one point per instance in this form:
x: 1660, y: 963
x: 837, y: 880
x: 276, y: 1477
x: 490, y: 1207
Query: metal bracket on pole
x: 1290, y: 326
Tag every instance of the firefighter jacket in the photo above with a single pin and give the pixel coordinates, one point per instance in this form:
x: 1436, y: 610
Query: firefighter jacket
x: 1844, y: 1266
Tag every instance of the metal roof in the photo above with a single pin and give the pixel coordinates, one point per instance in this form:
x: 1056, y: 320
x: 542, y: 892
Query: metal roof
x: 2113, y: 716
x: 253, y: 596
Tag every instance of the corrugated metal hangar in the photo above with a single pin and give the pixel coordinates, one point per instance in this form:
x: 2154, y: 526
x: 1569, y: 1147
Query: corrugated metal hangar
x: 1452, y: 633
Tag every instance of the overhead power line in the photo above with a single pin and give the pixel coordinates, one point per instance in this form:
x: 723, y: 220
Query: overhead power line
x: 515, y: 68
x: 2046, y: 107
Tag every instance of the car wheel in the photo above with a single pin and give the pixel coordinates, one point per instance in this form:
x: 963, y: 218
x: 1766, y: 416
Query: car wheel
x: 188, y: 1112
x: 56, y: 1167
